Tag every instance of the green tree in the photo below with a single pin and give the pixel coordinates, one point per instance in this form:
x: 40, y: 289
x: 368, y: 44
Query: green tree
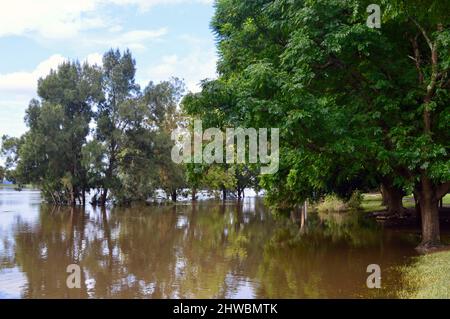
x: 356, y: 106
x: 10, y: 153
x: 120, y: 90
x: 50, y: 153
x: 162, y: 101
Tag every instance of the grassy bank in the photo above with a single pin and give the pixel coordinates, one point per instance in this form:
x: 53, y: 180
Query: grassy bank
x: 373, y: 202
x: 428, y: 277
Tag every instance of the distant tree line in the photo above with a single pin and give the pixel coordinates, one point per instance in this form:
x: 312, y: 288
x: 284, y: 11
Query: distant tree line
x: 94, y: 131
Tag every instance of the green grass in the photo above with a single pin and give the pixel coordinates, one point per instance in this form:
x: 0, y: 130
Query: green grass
x: 373, y: 202
x: 428, y: 277
x: 446, y: 199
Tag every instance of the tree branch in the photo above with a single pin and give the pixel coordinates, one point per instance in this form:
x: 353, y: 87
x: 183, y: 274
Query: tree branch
x: 416, y: 58
x: 424, y: 33
x: 442, y: 190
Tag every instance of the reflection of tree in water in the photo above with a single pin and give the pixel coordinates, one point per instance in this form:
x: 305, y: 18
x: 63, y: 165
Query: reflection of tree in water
x: 44, y: 251
x: 329, y: 259
x: 201, y: 251
x: 179, y: 251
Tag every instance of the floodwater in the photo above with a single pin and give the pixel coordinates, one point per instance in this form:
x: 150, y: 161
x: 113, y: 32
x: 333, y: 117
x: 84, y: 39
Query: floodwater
x: 206, y: 250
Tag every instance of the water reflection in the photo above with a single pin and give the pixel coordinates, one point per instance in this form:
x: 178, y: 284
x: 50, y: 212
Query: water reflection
x: 207, y: 250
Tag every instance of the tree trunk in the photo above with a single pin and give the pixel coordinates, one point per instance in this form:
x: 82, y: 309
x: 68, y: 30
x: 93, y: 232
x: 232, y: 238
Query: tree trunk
x: 417, y: 204
x: 194, y: 194
x: 174, y: 196
x: 224, y: 194
x: 73, y: 198
x: 430, y: 215
x: 239, y: 191
x: 392, y: 198
x: 84, y: 198
x: 104, y: 197
x: 384, y: 196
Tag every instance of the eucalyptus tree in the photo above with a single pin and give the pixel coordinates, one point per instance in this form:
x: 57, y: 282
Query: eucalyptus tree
x: 162, y: 101
x: 50, y: 153
x: 9, y: 152
x: 120, y: 89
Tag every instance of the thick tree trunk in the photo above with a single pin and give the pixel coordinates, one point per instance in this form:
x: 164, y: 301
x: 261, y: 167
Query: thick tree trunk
x: 392, y: 198
x: 194, y: 194
x: 224, y: 194
x: 430, y: 215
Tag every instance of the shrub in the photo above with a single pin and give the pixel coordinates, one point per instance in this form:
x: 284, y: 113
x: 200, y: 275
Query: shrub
x: 355, y: 201
x: 331, y: 203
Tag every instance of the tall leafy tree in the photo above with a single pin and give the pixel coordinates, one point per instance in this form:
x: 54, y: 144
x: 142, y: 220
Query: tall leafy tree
x: 162, y: 101
x: 356, y: 106
x: 51, y: 153
x: 119, y: 87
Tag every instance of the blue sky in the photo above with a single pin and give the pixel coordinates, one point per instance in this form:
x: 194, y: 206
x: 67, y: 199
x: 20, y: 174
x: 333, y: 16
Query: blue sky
x: 167, y: 38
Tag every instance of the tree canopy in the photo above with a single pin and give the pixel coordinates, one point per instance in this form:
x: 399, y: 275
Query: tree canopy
x: 356, y: 106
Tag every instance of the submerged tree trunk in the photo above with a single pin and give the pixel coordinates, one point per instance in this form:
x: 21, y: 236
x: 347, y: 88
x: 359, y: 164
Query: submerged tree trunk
x: 84, y: 197
x: 103, y: 197
x: 174, y: 196
x: 73, y: 197
x: 239, y: 191
x: 392, y: 198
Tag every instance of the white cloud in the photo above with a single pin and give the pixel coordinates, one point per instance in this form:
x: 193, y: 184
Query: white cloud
x: 193, y: 67
x: 24, y: 83
x: 134, y: 40
x: 94, y: 59
x: 49, y: 18
x: 147, y: 4
x: 18, y: 88
x: 64, y: 18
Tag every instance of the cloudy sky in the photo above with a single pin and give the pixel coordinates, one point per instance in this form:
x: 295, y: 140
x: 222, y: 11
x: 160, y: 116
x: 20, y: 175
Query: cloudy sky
x: 167, y: 38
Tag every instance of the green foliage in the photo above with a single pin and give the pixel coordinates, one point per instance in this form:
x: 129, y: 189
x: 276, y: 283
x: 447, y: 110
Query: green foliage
x: 127, y: 156
x: 330, y: 204
x: 218, y: 178
x: 347, y: 98
x: 355, y: 201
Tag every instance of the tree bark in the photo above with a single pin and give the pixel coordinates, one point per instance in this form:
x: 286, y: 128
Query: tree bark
x: 392, y: 198
x: 194, y: 194
x: 430, y: 214
x: 385, y: 201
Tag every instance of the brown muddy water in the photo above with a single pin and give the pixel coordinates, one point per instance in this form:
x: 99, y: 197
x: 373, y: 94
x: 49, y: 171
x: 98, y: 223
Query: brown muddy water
x: 206, y: 250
